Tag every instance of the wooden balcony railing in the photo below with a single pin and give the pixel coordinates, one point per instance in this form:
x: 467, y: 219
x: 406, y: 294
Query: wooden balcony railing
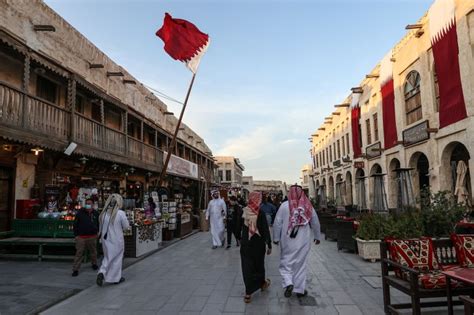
x: 134, y: 148
x: 88, y: 131
x: 11, y: 111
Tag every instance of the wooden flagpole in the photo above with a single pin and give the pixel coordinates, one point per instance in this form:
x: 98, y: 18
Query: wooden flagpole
x: 173, y: 140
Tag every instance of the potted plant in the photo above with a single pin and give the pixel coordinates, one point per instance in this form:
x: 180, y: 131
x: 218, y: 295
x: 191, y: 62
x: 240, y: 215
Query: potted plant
x: 369, y: 234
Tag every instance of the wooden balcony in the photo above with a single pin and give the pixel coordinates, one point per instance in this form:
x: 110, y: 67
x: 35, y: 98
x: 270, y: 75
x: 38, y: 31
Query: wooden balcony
x: 27, y: 118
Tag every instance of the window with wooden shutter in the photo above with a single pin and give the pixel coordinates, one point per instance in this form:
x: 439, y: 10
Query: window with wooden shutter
x: 413, y: 97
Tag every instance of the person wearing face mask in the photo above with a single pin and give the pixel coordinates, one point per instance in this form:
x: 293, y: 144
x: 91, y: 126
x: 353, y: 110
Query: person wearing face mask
x: 86, y: 227
x: 234, y: 215
x: 216, y: 212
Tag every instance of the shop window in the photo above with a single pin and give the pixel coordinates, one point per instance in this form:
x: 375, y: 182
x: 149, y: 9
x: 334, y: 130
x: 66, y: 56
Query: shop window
x: 221, y: 177
x: 369, y: 135
x: 376, y: 127
x: 412, y: 94
x: 228, y: 175
x: 47, y: 89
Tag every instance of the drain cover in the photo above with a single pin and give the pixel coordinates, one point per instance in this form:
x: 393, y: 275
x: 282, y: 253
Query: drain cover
x: 307, y: 301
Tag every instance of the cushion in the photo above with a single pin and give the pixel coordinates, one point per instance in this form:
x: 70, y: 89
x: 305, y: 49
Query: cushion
x: 435, y: 280
x: 417, y: 254
x: 464, y: 245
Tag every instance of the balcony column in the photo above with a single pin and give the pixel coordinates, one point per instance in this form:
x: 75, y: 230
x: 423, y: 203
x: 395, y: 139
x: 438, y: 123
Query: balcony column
x: 102, y: 120
x: 142, y: 140
x: 25, y: 87
x: 156, y: 147
x: 71, y: 106
x: 125, y: 123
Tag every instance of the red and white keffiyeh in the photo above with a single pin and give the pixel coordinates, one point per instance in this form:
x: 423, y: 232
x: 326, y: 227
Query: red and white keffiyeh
x: 183, y: 41
x: 301, y: 209
x: 251, y: 211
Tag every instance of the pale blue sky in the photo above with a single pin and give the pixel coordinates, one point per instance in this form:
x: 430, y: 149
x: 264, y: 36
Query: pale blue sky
x: 273, y: 70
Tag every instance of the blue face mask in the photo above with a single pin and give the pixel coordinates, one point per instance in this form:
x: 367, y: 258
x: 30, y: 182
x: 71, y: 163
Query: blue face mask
x: 88, y: 206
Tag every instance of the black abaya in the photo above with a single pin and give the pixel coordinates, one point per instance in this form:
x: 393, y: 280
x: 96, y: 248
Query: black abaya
x: 252, y: 255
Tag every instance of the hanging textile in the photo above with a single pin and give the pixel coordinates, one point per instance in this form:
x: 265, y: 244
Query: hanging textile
x: 322, y: 196
x: 461, y: 191
x: 355, y: 120
x: 444, y: 41
x: 344, y: 194
x: 406, y: 197
x: 380, y: 203
x: 339, y: 201
x: 388, y: 102
x: 361, y: 199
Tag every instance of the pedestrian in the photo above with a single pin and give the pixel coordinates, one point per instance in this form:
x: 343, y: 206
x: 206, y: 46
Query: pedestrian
x: 216, y: 212
x: 150, y: 209
x: 113, y: 222
x: 233, y: 221
x: 256, y: 240
x: 294, y: 222
x: 86, y: 227
x: 268, y: 209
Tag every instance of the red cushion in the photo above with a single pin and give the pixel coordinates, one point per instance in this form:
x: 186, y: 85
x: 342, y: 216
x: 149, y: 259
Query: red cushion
x: 435, y: 280
x: 414, y: 253
x: 464, y: 245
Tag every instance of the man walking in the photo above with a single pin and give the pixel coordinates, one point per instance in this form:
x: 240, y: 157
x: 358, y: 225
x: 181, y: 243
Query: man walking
x: 268, y: 209
x: 234, y: 218
x: 86, y: 227
x: 216, y: 212
x: 294, y: 222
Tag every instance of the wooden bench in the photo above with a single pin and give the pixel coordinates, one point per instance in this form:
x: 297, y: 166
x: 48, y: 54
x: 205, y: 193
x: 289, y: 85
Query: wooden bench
x: 40, y: 233
x: 446, y: 255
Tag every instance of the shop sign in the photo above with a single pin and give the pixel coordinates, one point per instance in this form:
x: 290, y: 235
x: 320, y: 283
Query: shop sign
x: 373, y: 150
x: 416, y: 134
x: 337, y: 163
x: 359, y: 164
x: 181, y: 167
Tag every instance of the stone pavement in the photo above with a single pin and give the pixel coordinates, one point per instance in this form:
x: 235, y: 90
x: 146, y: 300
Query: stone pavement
x: 191, y: 278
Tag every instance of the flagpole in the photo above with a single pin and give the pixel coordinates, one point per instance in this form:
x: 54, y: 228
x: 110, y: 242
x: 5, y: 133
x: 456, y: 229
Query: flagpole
x: 173, y: 140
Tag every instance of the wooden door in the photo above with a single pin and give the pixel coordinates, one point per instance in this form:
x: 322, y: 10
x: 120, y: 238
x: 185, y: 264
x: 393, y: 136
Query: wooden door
x: 6, y: 191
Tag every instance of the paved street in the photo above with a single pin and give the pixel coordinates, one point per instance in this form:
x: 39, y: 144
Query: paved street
x: 191, y: 278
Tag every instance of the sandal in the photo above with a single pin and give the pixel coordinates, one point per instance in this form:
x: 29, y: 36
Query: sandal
x: 247, y: 299
x: 288, y: 291
x: 266, y: 284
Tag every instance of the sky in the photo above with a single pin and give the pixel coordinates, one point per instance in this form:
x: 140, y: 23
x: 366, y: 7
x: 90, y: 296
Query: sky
x: 273, y: 71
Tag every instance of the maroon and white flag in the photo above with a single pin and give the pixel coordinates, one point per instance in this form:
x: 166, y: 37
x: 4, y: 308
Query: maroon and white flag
x: 388, y: 102
x: 183, y: 41
x: 444, y: 41
x: 355, y: 120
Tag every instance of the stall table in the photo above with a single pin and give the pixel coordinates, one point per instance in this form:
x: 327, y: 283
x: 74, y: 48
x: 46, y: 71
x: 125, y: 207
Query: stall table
x: 143, y: 239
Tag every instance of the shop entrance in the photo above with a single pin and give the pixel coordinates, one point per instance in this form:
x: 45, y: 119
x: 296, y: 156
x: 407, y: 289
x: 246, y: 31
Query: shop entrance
x: 6, y: 191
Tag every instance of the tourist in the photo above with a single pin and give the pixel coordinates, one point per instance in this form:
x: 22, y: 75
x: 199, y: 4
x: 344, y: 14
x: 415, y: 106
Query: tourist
x: 113, y: 222
x: 234, y: 218
x: 294, y: 222
x: 255, y: 241
x: 268, y: 209
x: 86, y: 227
x: 215, y: 213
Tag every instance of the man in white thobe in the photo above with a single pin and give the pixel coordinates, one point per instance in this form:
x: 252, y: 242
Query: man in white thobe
x: 294, y: 223
x: 216, y: 212
x: 113, y: 221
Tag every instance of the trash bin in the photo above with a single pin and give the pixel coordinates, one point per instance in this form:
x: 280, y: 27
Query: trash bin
x: 202, y: 220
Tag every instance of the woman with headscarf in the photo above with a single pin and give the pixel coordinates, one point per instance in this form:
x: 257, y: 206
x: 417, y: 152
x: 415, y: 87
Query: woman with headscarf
x: 112, y: 223
x: 294, y: 222
x: 255, y: 239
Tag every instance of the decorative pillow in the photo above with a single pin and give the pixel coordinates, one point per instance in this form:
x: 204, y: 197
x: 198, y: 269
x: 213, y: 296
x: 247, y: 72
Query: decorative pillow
x: 417, y: 254
x: 464, y: 245
x: 435, y: 280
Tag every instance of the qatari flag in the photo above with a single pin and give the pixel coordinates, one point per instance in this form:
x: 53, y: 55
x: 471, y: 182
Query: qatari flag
x: 388, y: 102
x: 183, y: 41
x: 355, y: 119
x: 444, y: 41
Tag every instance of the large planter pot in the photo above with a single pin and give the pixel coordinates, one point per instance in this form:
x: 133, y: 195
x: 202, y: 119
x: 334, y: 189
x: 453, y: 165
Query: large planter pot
x: 369, y: 250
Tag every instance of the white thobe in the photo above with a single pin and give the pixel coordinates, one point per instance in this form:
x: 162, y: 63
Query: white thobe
x: 217, y: 211
x: 113, y: 246
x: 294, y: 251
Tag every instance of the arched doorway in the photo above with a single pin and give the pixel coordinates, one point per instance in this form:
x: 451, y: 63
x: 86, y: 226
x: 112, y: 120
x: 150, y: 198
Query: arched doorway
x: 331, y: 188
x: 393, y: 183
x: 322, y: 195
x: 349, y: 199
x: 420, y: 175
x: 361, y: 189
x: 378, y: 195
x: 340, y: 191
x: 455, y: 180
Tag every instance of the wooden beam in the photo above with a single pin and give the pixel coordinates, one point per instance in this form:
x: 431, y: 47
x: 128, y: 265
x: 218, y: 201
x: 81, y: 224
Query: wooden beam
x: 114, y: 73
x: 357, y: 89
x: 328, y: 118
x: 413, y: 26
x: 372, y: 76
x: 336, y: 113
x: 314, y: 135
x: 44, y: 28
x: 393, y: 59
x: 96, y: 66
x: 321, y: 128
x: 342, y: 105
x: 419, y: 33
x: 125, y: 81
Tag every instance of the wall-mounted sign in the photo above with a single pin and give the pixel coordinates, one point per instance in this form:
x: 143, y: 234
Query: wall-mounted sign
x: 373, y: 150
x: 359, y: 164
x: 416, y: 134
x: 181, y: 167
x: 337, y: 163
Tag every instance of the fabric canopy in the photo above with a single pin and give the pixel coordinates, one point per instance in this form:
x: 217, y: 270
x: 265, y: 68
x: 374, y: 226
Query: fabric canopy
x: 355, y: 118
x: 388, y: 102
